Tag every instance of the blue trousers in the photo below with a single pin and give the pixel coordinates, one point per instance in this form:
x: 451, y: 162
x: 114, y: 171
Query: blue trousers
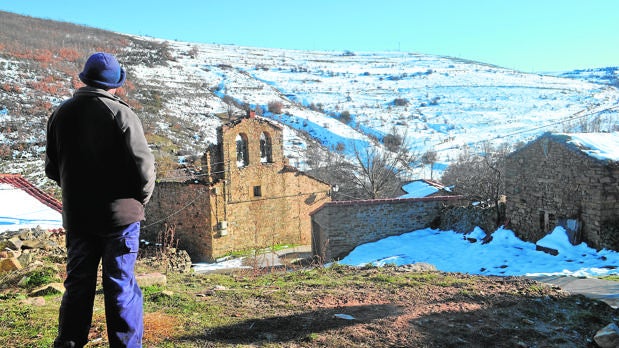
x: 117, y: 253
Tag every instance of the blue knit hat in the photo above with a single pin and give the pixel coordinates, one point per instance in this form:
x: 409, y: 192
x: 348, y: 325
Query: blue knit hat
x: 102, y: 70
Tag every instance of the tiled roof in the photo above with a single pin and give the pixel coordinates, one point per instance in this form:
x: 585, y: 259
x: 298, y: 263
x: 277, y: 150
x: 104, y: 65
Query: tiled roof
x: 20, y: 182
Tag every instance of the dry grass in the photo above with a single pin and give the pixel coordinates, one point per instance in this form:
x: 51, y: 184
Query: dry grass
x: 159, y: 326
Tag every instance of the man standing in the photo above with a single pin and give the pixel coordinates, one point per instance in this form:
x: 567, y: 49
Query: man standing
x: 98, y: 155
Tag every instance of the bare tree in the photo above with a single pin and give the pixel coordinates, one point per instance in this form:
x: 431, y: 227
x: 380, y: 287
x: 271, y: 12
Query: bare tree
x: 229, y: 101
x: 193, y: 52
x: 430, y: 157
x: 330, y: 165
x: 372, y: 172
x: 378, y: 171
x: 480, y: 177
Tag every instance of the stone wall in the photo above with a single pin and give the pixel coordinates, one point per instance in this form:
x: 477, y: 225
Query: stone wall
x: 186, y: 207
x: 549, y: 183
x: 464, y: 219
x: 338, y: 227
x: 609, y: 224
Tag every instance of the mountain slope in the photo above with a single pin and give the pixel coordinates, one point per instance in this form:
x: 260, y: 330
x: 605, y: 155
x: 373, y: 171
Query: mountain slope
x: 440, y: 103
x: 183, y: 91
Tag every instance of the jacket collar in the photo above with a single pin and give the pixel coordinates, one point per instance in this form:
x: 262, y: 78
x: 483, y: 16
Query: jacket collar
x: 88, y: 91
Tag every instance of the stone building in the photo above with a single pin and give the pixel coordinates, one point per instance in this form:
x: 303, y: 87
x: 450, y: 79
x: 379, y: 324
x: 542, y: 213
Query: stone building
x: 247, y: 197
x: 566, y: 180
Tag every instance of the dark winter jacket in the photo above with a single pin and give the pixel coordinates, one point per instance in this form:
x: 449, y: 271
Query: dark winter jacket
x: 97, y: 153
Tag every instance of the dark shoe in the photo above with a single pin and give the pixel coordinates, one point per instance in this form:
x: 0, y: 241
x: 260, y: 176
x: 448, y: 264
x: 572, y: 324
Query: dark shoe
x: 65, y: 344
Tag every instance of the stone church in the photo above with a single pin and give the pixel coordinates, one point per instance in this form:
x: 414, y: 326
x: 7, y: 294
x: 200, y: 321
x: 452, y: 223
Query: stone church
x: 248, y: 196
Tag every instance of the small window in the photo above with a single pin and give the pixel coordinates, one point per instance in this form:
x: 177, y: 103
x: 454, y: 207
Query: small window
x: 257, y: 191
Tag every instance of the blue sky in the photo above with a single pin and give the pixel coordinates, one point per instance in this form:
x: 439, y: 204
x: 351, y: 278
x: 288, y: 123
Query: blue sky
x: 528, y: 35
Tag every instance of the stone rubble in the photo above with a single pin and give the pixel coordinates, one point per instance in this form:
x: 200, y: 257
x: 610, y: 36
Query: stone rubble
x: 24, y: 250
x: 608, y: 337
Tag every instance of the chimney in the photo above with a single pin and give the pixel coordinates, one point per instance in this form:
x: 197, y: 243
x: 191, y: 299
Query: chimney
x: 251, y: 114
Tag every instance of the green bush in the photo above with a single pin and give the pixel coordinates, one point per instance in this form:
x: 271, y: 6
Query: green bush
x: 40, y: 277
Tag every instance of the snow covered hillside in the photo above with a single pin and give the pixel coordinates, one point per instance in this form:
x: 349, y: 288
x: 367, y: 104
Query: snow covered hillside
x: 342, y: 100
x: 442, y: 104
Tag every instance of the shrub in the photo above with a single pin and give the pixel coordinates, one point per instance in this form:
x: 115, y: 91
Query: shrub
x: 40, y: 277
x: 275, y: 107
x: 345, y: 117
x: 193, y: 52
x: 5, y: 151
x: 400, y: 102
x: 392, y: 141
x: 69, y: 54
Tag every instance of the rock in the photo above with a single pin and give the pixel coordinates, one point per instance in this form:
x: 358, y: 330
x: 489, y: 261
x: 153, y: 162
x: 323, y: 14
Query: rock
x: 48, y: 245
x: 34, y: 301
x: 179, y: 262
x: 10, y: 264
x: 487, y: 239
x: 150, y: 279
x: 551, y: 251
x: 31, y: 234
x: 26, y: 258
x: 168, y: 293
x: 5, y: 254
x: 32, y: 244
x: 49, y: 289
x: 14, y: 243
x: 23, y: 282
x: 608, y: 337
x: 417, y: 267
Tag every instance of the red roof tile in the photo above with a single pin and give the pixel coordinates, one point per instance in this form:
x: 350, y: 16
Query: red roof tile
x: 20, y: 182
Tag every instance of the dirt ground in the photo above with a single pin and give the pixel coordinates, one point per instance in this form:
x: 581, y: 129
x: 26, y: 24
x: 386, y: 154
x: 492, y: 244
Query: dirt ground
x: 365, y: 307
x: 465, y: 311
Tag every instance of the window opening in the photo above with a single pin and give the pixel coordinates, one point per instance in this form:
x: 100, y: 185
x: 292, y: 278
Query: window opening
x: 266, y: 149
x: 547, y: 221
x: 242, y: 156
x: 257, y: 191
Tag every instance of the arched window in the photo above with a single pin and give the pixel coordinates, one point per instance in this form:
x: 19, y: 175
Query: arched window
x: 266, y: 149
x: 242, y: 156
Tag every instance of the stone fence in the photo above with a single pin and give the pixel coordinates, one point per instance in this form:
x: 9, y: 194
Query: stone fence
x: 338, y: 227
